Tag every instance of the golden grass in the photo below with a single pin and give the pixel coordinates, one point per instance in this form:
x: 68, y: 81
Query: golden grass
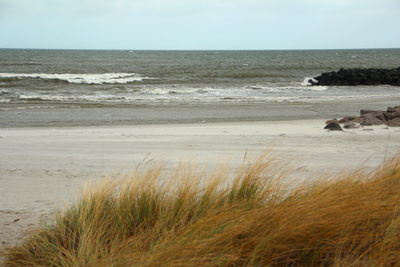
x: 151, y: 219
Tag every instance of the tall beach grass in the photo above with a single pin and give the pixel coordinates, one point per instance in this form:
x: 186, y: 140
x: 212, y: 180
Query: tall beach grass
x: 248, y: 218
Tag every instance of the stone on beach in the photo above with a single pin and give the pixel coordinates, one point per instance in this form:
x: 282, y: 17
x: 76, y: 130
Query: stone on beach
x: 373, y: 118
x: 369, y: 111
x: 331, y: 121
x: 390, y: 117
x: 393, y: 109
x: 348, y: 119
x: 333, y: 126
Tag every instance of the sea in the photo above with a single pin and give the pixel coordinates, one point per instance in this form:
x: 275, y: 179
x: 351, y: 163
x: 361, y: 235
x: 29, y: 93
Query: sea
x: 93, y: 87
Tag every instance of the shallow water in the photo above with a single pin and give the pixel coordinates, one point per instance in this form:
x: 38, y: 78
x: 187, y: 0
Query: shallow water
x: 175, y: 85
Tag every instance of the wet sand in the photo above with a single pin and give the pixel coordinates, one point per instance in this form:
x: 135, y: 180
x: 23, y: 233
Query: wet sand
x: 60, y: 114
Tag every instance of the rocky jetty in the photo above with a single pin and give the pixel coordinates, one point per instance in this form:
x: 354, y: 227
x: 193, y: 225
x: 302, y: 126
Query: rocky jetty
x: 390, y: 117
x: 358, y: 77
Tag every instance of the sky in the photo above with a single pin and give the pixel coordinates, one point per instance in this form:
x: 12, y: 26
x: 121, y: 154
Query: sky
x: 199, y: 24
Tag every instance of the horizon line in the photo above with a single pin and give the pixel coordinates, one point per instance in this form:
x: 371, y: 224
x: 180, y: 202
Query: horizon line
x: 117, y: 49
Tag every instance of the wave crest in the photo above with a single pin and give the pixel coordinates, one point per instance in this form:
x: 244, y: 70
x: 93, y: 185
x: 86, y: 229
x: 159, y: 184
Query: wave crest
x: 103, y: 78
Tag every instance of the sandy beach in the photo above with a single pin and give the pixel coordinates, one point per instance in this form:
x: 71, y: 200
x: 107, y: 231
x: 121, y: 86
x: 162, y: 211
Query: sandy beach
x: 44, y: 169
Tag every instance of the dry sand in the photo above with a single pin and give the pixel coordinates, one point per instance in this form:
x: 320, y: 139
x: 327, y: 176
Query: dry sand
x: 42, y: 169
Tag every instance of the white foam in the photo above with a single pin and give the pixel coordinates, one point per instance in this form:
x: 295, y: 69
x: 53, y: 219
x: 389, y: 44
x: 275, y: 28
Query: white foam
x: 315, y: 88
x: 217, y: 95
x: 103, y: 78
x: 306, y: 81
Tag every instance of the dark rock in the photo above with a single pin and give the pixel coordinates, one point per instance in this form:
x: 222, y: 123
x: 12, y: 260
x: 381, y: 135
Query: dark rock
x: 332, y: 121
x: 380, y: 116
x: 370, y: 119
x: 358, y: 77
x: 394, y: 123
x: 393, y: 109
x: 392, y: 115
x: 333, y: 126
x: 351, y: 125
x: 348, y: 119
x: 366, y: 111
x: 377, y: 114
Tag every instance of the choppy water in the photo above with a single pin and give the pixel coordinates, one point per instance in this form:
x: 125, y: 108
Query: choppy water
x: 162, y: 77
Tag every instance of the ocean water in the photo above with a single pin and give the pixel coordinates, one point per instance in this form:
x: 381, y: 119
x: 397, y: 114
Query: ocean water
x: 85, y: 78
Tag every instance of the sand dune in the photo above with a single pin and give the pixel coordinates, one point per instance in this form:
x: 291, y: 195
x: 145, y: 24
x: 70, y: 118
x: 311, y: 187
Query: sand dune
x: 42, y: 169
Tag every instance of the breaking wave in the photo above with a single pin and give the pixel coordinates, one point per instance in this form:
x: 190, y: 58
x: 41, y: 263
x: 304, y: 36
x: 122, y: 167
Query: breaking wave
x: 306, y: 81
x: 103, y: 78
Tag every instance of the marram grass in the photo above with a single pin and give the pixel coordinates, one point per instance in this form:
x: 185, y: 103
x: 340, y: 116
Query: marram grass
x: 150, y: 219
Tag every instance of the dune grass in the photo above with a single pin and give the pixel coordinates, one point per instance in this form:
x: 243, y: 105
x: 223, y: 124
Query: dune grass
x: 245, y: 219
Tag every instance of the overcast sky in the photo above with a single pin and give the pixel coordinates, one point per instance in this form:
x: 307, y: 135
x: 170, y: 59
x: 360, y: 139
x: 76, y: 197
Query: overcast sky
x: 199, y: 24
